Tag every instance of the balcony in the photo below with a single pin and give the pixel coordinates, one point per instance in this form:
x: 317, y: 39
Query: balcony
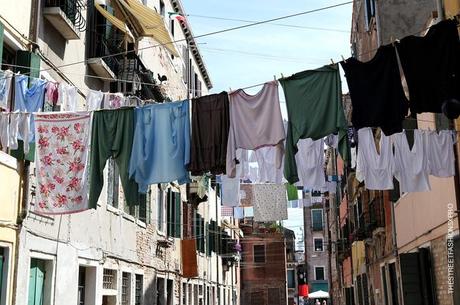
x: 105, y: 55
x: 66, y: 17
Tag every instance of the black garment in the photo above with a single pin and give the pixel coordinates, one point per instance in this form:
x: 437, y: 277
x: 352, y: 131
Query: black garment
x: 376, y: 91
x: 431, y: 65
x: 210, y: 126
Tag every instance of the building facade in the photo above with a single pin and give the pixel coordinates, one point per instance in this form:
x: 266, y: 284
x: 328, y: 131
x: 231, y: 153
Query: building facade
x: 11, y: 190
x: 392, y: 247
x: 264, y: 278
x: 316, y: 244
x: 115, y: 254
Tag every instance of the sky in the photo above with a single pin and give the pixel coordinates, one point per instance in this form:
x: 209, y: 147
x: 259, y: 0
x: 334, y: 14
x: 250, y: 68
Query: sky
x: 253, y: 55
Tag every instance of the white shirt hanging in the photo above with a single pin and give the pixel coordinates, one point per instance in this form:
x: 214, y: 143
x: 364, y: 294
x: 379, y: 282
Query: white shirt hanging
x: 67, y: 97
x: 440, y: 148
x: 411, y: 165
x: 310, y: 163
x: 375, y: 169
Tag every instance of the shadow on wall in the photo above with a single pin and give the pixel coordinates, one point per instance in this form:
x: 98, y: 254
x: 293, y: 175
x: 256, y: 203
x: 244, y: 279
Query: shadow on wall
x: 53, y: 39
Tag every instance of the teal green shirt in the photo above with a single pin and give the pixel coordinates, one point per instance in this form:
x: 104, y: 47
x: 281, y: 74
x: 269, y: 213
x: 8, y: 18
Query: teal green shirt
x: 314, y: 106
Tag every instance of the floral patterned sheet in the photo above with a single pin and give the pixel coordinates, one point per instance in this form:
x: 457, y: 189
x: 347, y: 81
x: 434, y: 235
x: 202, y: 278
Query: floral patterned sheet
x: 61, y: 158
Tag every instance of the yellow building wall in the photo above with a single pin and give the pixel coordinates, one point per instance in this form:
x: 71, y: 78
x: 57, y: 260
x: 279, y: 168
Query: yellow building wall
x: 10, y: 196
x: 451, y: 7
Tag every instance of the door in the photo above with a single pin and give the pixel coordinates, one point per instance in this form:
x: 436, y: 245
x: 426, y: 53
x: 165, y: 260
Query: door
x: 36, y: 281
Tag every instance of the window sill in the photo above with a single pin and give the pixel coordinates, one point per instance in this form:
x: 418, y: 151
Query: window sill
x: 113, y: 209
x: 141, y: 224
x: 128, y: 217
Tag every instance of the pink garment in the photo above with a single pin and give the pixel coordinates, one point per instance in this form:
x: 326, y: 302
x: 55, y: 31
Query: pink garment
x: 255, y: 122
x: 62, y: 141
x: 52, y: 93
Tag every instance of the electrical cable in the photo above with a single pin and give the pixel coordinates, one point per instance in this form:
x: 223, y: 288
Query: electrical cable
x: 210, y: 33
x: 276, y: 24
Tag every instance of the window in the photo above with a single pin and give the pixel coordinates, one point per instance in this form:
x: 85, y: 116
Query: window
x: 161, y: 219
x: 81, y: 285
x: 319, y: 274
x: 109, y: 279
x: 139, y: 289
x: 369, y: 12
x: 318, y: 244
x: 160, y: 291
x: 125, y: 288
x: 171, y: 27
x: 198, y: 231
x: 40, y: 284
x: 259, y: 254
x: 195, y: 87
x: 291, y: 278
x: 384, y: 284
x: 162, y: 8
x: 317, y: 219
x: 174, y: 205
x: 184, y: 293
x: 4, y: 254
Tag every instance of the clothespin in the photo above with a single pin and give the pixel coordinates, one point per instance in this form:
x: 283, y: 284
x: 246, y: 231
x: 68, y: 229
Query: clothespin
x: 343, y: 58
x: 274, y: 77
x: 332, y: 61
x: 282, y: 76
x: 392, y: 40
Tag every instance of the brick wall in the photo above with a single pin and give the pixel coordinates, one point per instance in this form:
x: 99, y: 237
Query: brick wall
x: 439, y: 263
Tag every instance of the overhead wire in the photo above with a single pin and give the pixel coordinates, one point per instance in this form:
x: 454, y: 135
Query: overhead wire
x: 210, y: 33
x: 275, y: 24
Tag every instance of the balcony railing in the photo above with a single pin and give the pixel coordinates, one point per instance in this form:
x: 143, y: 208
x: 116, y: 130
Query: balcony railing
x: 72, y: 9
x: 66, y: 17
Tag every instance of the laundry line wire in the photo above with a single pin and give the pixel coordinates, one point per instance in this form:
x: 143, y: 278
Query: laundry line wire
x: 271, y: 23
x: 210, y: 33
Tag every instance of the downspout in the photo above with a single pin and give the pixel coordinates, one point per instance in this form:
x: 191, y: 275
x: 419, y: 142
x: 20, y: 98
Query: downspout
x: 25, y: 165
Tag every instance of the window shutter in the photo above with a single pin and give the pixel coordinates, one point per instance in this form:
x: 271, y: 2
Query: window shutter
x: 410, y: 278
x: 170, y: 213
x: 208, y: 239
x: 177, y: 218
x: 29, y: 63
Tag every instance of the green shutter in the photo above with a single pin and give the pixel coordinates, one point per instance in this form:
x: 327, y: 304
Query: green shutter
x: 177, y: 219
x: 28, y: 62
x: 208, y: 239
x: 36, y: 282
x: 170, y: 213
x: 1, y: 41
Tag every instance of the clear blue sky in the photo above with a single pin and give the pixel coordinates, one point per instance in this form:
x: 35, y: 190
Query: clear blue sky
x: 253, y: 55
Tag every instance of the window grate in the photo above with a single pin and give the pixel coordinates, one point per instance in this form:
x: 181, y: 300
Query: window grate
x: 109, y: 279
x: 125, y: 285
x: 139, y: 288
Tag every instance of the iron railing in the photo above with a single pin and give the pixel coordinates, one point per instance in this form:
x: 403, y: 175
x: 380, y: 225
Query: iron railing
x: 72, y: 9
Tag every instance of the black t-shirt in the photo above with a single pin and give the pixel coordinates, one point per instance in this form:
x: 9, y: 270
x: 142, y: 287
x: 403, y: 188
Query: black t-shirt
x: 432, y: 67
x: 376, y: 91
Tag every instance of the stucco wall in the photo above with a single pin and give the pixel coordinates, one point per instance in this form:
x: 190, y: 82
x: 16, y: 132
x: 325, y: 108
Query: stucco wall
x: 421, y: 217
x: 9, y: 203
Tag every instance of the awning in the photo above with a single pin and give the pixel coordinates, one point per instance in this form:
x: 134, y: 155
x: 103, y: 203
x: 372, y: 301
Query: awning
x: 114, y: 20
x: 149, y: 23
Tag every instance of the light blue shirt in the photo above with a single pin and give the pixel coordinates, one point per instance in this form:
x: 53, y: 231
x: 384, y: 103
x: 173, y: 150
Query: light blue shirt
x: 29, y: 99
x: 161, y: 146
